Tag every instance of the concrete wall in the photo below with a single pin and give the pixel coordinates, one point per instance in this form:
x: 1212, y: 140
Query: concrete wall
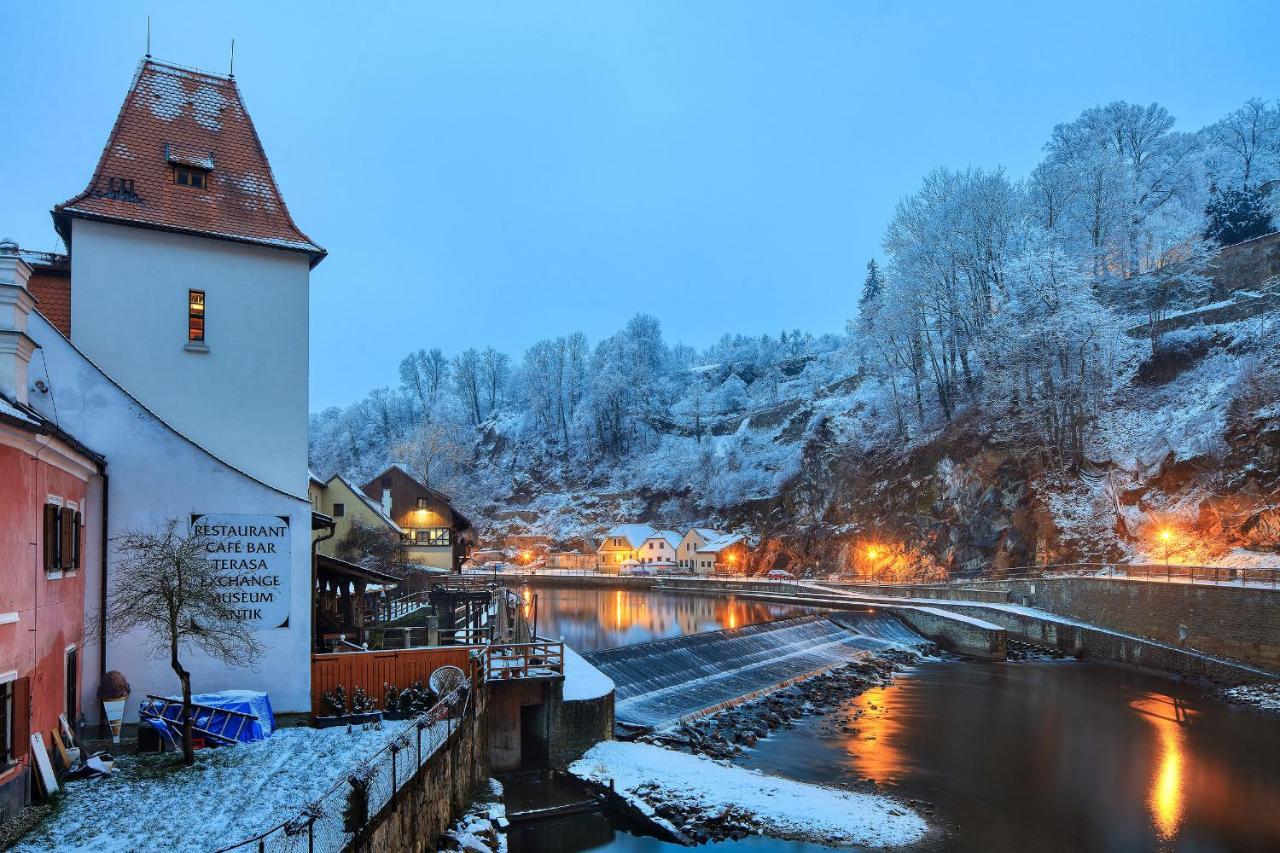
x: 945, y: 593
x: 1236, y: 622
x: 506, y: 698
x: 425, y: 807
x: 155, y: 473
x: 570, y: 728
x: 955, y: 635
x: 246, y: 397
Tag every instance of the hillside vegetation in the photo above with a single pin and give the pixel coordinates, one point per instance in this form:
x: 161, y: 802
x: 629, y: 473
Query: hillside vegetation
x: 1054, y: 367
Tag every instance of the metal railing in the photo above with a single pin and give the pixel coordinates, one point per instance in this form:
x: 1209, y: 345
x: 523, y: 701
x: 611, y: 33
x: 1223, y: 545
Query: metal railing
x: 523, y: 660
x: 1170, y: 573
x: 329, y: 824
x: 392, y: 609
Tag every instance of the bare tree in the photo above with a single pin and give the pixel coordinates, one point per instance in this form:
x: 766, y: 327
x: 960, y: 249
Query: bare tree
x: 434, y: 452
x: 468, y: 382
x: 167, y: 588
x: 371, y: 547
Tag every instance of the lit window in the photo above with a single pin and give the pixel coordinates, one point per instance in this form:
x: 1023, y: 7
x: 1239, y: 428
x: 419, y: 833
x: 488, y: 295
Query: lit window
x: 435, y: 537
x: 422, y: 503
x: 195, y: 316
x: 187, y: 177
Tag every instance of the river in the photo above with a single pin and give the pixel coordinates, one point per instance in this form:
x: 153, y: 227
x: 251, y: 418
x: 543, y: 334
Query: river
x: 1022, y: 756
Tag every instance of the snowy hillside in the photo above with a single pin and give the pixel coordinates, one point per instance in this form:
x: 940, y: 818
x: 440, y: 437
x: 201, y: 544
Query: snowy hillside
x: 1051, y: 368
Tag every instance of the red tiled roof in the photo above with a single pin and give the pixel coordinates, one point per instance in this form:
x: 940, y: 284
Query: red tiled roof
x: 52, y: 289
x: 173, y: 116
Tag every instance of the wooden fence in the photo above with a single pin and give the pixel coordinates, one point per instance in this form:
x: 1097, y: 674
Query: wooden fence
x: 371, y: 670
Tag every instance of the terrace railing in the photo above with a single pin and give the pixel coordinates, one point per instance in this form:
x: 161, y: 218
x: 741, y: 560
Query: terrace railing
x: 506, y: 661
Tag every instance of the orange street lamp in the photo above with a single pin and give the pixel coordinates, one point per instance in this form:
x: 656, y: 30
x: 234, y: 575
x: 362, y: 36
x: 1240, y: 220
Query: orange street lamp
x: 871, y: 553
x: 526, y: 556
x: 1166, y: 535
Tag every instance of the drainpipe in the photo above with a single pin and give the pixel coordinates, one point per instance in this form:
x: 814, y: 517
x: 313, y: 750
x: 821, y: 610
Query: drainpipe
x: 333, y: 529
x: 104, y: 728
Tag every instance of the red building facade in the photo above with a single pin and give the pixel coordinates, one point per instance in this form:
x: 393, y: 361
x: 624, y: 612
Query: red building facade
x: 50, y: 514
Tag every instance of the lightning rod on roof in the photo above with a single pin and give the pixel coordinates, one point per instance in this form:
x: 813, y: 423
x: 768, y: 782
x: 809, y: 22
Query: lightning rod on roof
x: 232, y: 72
x: 148, y: 36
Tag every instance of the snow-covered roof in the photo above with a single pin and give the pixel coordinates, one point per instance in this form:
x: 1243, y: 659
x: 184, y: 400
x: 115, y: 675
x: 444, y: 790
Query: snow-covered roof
x: 706, y: 533
x: 719, y: 543
x: 368, y: 501
x: 582, y: 680
x: 179, y: 115
x: 669, y: 536
x: 635, y: 534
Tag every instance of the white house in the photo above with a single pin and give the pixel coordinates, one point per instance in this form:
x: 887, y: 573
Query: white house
x: 661, y: 547
x: 182, y: 358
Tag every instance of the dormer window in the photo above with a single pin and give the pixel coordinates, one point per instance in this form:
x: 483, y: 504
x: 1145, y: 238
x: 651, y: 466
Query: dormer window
x: 185, y: 176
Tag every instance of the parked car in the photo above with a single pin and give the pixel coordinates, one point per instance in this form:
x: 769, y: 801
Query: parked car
x: 779, y: 575
x: 638, y: 571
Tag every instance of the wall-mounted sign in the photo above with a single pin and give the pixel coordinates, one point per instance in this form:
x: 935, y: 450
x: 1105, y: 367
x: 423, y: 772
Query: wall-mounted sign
x: 253, y: 552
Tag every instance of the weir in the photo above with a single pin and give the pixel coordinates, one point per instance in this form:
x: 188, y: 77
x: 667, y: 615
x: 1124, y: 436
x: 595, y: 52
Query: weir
x: 662, y: 681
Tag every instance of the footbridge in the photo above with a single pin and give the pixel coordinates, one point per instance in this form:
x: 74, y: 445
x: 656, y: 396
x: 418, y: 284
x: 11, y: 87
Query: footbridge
x: 664, y: 681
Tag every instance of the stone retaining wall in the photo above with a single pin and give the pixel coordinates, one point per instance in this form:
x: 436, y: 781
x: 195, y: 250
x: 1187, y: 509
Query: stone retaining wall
x: 429, y: 803
x: 1242, y: 623
x: 1085, y: 642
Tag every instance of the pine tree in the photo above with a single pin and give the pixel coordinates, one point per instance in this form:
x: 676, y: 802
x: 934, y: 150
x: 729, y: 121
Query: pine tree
x: 1236, y: 215
x: 869, y: 299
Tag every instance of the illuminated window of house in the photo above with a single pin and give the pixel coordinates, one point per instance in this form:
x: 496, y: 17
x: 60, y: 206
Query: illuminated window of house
x: 422, y: 503
x: 195, y: 316
x: 435, y: 537
x: 185, y: 176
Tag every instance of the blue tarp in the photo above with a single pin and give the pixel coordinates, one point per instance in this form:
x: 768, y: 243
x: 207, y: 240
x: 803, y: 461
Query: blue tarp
x: 245, y: 701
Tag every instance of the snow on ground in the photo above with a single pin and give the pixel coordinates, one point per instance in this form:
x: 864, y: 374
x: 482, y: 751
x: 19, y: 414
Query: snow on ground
x: 152, y: 802
x: 582, y: 680
x: 1265, y: 697
x: 782, y: 808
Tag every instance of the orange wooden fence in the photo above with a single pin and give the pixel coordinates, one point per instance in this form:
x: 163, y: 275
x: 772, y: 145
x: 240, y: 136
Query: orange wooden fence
x: 371, y: 670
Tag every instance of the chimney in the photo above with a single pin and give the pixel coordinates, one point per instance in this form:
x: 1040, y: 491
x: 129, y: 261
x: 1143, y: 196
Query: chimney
x: 386, y: 502
x: 16, y: 302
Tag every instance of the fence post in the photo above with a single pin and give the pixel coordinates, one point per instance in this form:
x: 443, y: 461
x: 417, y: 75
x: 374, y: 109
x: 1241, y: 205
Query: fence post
x: 393, y: 773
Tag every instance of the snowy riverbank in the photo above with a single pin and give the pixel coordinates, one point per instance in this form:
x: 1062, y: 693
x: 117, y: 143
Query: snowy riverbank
x: 690, y: 794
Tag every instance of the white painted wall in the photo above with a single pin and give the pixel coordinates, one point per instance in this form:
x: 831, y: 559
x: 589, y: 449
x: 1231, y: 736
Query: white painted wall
x: 246, y: 398
x: 153, y: 474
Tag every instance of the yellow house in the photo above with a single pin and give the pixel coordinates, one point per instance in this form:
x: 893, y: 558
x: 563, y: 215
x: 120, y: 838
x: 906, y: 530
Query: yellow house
x: 689, y: 545
x: 621, y: 544
x: 347, y: 505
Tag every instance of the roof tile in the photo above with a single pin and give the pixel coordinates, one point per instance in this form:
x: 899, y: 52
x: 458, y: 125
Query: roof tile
x: 175, y: 115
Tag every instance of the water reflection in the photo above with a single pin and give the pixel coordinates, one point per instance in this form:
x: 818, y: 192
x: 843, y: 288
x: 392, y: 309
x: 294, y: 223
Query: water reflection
x: 874, y: 747
x: 595, y: 618
x: 1051, y: 757
x: 1168, y: 716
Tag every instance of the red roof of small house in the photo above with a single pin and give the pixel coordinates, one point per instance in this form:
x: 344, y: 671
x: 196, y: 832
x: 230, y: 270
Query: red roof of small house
x: 176, y: 117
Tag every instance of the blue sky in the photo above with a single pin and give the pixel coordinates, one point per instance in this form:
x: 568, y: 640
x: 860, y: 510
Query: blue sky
x: 490, y: 173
